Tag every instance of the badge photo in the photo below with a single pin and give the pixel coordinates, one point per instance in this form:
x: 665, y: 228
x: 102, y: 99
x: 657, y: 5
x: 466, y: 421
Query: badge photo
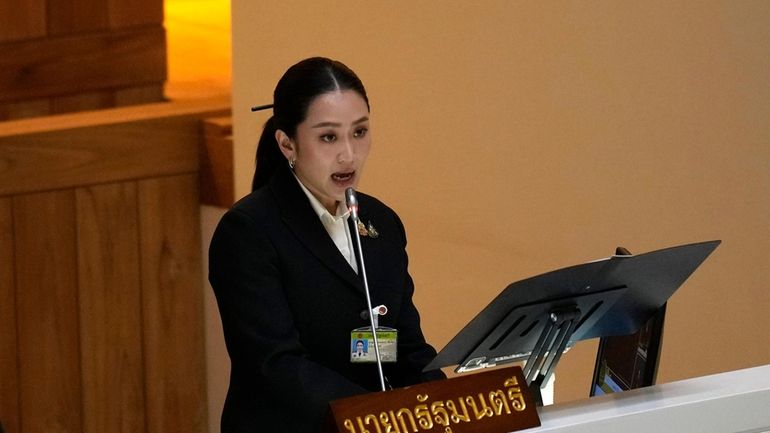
x: 362, y: 344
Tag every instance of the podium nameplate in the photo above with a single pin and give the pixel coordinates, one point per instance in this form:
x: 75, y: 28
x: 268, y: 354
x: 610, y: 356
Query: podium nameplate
x: 496, y: 401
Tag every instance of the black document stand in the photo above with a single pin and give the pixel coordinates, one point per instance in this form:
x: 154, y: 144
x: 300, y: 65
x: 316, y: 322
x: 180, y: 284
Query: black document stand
x: 538, y: 318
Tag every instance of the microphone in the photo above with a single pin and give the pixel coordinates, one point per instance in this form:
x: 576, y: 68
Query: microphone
x: 351, y: 201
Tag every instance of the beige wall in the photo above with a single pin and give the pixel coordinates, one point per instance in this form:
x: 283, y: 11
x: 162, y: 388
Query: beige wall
x: 518, y: 137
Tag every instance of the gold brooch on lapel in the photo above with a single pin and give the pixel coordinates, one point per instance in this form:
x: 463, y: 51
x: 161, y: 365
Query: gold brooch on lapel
x: 373, y: 233
x: 368, y: 230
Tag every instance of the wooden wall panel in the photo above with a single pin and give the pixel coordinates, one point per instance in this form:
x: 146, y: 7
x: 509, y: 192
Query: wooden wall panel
x: 100, y: 154
x: 22, y: 20
x: 47, y: 312
x: 191, y: 109
x: 24, y: 109
x: 107, y: 333
x: 138, y: 95
x: 76, y: 64
x: 104, y: 99
x: 216, y: 166
x: 68, y: 17
x: 83, y: 102
x: 9, y: 367
x: 110, y: 308
x: 126, y: 13
x: 56, y: 50
x: 172, y: 299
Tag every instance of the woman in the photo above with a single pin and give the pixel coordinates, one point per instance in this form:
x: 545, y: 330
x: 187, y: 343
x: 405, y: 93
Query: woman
x: 283, y: 267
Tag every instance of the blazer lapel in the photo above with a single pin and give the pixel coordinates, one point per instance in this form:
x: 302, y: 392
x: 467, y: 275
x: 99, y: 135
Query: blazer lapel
x: 377, y: 257
x: 302, y: 220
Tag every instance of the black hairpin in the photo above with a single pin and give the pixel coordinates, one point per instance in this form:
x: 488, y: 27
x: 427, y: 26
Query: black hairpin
x: 261, y: 107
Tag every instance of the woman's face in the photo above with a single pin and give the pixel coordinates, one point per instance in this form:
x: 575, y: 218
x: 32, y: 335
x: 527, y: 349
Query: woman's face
x: 331, y: 146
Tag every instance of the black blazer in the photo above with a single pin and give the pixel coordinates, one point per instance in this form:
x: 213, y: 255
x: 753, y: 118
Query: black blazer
x: 288, y: 301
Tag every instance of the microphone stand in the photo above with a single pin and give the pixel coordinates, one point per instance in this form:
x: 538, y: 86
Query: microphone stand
x: 352, y: 203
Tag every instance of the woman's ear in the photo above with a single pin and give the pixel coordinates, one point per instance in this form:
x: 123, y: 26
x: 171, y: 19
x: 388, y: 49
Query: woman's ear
x: 286, y: 145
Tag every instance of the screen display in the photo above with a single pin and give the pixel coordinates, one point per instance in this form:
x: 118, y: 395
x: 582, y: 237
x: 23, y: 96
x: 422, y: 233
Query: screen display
x: 629, y: 361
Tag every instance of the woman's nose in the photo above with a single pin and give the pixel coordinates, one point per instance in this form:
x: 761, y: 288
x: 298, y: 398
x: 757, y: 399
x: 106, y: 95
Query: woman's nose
x: 346, y: 152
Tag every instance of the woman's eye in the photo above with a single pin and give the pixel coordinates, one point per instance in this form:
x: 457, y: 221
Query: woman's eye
x: 360, y: 132
x: 328, y: 138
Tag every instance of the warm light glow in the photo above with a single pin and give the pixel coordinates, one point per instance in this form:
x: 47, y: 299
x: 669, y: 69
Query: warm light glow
x: 199, y: 48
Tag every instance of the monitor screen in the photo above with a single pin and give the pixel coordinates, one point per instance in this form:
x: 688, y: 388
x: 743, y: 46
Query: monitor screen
x: 629, y: 361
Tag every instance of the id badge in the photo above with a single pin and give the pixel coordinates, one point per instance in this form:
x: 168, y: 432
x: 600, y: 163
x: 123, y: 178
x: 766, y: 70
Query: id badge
x: 362, y: 344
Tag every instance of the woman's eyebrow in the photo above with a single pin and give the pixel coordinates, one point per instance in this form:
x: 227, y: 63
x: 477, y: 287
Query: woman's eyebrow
x: 337, y: 124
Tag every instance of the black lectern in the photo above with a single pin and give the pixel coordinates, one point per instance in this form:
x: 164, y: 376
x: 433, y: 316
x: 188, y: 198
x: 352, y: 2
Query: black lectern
x: 538, y: 318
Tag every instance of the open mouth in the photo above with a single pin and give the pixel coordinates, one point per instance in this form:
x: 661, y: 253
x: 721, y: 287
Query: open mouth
x: 343, y: 177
